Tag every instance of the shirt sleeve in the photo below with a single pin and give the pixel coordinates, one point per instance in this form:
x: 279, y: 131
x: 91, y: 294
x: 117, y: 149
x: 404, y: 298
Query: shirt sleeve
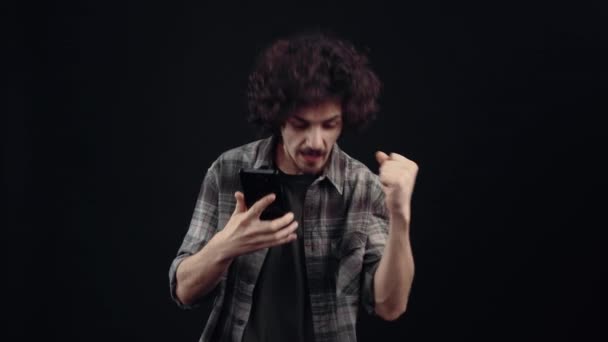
x: 203, y: 226
x: 377, y: 235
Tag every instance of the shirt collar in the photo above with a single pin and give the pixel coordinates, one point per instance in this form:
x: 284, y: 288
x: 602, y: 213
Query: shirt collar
x: 334, y: 169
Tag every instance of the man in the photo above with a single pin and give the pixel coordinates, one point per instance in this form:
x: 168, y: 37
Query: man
x: 346, y: 241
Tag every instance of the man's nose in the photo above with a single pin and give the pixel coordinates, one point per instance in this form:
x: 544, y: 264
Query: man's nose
x: 315, y: 138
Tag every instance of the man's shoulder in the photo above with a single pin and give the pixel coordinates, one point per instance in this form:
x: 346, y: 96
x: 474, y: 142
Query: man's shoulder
x: 356, y: 170
x: 248, y: 150
x: 361, y: 183
x: 244, y: 155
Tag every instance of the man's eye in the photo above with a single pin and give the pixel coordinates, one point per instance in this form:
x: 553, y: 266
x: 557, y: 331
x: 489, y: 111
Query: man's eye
x: 299, y: 126
x: 333, y: 124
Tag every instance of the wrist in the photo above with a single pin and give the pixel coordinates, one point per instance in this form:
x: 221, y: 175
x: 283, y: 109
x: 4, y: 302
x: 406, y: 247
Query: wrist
x: 400, y: 210
x: 220, y: 248
x: 400, y: 219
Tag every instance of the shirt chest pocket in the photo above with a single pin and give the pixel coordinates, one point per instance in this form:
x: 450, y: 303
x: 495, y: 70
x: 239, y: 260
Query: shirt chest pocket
x: 347, y: 256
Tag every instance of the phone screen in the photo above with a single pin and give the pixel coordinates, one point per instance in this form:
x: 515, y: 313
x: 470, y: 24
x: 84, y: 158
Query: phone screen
x: 257, y: 183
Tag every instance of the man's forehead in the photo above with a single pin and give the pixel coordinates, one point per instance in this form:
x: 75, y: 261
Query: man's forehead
x: 325, y: 111
x: 313, y: 117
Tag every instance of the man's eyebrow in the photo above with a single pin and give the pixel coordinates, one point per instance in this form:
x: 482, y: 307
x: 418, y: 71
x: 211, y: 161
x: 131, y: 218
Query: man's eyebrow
x: 295, y: 117
x: 337, y: 116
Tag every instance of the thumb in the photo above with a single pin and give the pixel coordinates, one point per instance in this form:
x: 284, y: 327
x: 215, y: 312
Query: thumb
x: 240, y: 206
x: 381, y: 157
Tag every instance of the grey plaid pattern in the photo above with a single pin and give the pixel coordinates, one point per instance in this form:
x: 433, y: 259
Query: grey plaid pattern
x: 345, y: 227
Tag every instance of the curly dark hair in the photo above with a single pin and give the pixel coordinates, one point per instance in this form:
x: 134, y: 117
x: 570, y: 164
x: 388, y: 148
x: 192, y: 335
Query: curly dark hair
x: 306, y: 69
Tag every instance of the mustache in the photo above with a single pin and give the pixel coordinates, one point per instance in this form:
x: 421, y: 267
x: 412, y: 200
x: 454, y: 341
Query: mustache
x: 312, y: 152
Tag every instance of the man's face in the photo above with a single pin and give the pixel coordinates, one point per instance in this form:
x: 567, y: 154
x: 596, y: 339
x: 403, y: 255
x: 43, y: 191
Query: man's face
x: 308, y: 137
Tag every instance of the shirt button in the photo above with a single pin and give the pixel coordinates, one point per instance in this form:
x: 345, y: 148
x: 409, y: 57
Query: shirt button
x: 240, y: 322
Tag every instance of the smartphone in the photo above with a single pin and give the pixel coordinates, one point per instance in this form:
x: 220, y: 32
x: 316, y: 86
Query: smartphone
x: 257, y: 183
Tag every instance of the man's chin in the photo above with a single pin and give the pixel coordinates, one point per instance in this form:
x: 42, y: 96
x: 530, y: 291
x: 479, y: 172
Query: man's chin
x: 311, y: 169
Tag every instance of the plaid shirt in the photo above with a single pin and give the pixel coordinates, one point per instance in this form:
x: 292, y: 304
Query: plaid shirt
x: 345, y: 228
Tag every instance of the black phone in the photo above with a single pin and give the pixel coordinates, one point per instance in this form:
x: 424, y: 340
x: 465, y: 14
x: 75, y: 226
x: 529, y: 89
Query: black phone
x: 257, y: 183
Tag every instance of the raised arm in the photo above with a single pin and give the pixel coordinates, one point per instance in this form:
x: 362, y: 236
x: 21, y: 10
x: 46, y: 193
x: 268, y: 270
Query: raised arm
x: 395, y: 273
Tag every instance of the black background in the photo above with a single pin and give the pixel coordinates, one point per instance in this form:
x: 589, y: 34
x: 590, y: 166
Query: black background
x: 114, y: 111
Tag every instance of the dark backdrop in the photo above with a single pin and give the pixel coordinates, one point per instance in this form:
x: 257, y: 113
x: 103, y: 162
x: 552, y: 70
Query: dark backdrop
x: 114, y: 111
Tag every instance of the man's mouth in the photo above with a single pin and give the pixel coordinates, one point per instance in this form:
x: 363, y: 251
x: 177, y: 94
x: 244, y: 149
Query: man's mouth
x: 312, y: 156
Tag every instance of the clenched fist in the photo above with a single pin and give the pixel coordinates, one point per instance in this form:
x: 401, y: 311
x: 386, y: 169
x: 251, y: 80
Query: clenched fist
x: 398, y: 176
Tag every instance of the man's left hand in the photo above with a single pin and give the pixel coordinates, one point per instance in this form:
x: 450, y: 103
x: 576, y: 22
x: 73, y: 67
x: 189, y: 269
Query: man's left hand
x: 398, y: 176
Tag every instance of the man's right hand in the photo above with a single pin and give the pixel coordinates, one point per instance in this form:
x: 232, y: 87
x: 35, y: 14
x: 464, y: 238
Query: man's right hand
x: 245, y: 232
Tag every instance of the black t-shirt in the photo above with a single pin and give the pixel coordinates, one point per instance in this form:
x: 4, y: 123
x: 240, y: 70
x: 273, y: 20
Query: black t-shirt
x: 281, y: 302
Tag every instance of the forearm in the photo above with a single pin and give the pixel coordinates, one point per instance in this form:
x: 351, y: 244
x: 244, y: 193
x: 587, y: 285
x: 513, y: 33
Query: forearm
x: 200, y: 273
x: 395, y: 273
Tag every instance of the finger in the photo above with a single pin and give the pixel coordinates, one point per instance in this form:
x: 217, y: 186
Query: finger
x: 381, y: 157
x: 384, y: 180
x: 288, y: 239
x: 258, y: 207
x: 283, y: 236
x: 281, y: 222
x: 240, y: 206
x: 274, y: 243
x: 286, y: 231
x: 271, y: 239
x: 397, y: 156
